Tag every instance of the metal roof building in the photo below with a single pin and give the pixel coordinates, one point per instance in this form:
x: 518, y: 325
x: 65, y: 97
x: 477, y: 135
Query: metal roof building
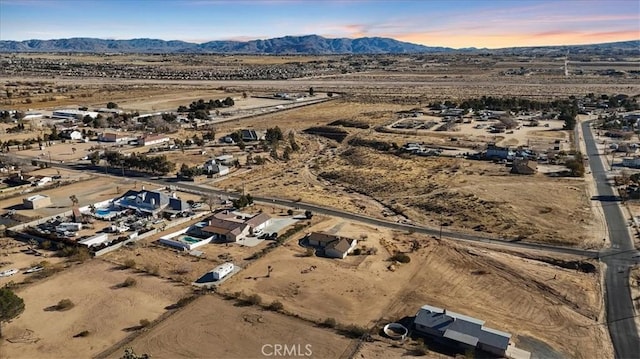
x: 461, y: 329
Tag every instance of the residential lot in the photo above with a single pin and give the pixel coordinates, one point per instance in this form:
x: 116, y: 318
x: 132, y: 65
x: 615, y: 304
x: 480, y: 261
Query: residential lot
x: 108, y: 312
x: 90, y: 189
x: 558, y: 306
x: 212, y: 327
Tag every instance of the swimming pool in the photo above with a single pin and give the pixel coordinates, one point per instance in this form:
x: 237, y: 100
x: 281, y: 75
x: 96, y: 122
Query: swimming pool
x: 190, y: 239
x: 103, y: 212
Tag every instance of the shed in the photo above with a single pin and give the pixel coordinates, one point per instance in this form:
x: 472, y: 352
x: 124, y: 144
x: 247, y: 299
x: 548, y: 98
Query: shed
x: 36, y: 201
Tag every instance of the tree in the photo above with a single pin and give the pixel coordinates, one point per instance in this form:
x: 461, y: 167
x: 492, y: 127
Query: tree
x: 311, y: 91
x: 112, y: 105
x: 210, y: 200
x: 74, y: 200
x: 11, y: 306
x: 292, y: 142
x: 308, y: 214
x: 575, y: 165
x: 329, y: 94
x: 94, y: 157
x: 274, y: 135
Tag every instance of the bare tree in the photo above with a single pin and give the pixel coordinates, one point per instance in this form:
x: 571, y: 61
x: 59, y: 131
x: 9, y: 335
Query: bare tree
x: 210, y: 200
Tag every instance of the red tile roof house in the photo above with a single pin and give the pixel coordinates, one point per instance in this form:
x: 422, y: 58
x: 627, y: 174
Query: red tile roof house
x: 226, y: 227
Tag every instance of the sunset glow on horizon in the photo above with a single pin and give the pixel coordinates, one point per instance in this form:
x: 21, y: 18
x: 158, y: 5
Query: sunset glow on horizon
x: 457, y: 24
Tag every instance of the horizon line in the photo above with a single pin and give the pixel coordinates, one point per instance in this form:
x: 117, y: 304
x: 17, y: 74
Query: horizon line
x: 249, y: 38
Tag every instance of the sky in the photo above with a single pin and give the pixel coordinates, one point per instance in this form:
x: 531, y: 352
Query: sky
x: 452, y: 23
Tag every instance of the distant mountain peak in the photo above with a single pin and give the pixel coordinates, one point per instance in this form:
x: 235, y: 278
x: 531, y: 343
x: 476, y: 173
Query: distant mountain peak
x: 306, y: 44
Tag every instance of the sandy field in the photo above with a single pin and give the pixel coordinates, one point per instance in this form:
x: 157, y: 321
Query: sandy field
x: 211, y: 327
x: 362, y: 289
x: 13, y: 257
x: 109, y: 313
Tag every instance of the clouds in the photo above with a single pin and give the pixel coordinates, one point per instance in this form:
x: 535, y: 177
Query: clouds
x: 454, y: 23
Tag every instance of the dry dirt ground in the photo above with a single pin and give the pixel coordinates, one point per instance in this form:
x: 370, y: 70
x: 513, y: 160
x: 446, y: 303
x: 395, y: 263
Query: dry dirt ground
x: 528, y: 297
x: 109, y: 313
x: 212, y: 327
x: 12, y: 256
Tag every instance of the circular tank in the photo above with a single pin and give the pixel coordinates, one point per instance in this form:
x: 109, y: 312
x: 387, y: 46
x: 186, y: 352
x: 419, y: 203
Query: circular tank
x: 395, y: 331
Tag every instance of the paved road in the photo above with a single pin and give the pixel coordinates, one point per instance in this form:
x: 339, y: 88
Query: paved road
x: 619, y: 259
x: 334, y: 212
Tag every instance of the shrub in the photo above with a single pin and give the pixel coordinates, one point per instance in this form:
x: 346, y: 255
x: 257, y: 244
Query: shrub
x: 310, y: 252
x: 357, y: 252
x: 329, y: 323
x: 276, y: 306
x: 129, y: 263
x: 64, y: 304
x: 184, y: 301
x: 82, y: 334
x: 129, y: 282
x: 355, y: 331
x: 254, y: 299
x: 401, y: 257
x: 144, y: 323
x: 152, y: 269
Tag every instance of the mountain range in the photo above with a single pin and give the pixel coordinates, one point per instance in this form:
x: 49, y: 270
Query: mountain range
x: 309, y: 44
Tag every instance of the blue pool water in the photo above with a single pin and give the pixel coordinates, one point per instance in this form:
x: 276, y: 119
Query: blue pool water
x: 103, y: 212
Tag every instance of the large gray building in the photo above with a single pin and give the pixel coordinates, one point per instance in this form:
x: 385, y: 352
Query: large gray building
x: 461, y: 330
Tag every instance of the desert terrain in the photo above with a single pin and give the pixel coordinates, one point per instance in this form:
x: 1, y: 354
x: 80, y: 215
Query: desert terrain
x: 107, y: 312
x: 551, y: 303
x: 234, y: 331
x: 371, y: 290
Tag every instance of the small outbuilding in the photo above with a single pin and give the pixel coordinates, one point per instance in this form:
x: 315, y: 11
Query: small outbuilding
x: 36, y: 201
x: 222, y: 270
x: 524, y: 166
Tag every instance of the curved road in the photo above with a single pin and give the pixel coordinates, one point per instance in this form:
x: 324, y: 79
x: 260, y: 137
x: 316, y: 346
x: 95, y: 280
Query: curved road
x: 619, y: 259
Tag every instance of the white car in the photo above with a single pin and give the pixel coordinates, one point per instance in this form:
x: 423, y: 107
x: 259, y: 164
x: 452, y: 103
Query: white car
x: 8, y: 272
x: 34, y: 269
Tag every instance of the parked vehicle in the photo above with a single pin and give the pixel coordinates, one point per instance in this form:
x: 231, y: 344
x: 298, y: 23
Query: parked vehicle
x: 8, y: 272
x: 34, y: 269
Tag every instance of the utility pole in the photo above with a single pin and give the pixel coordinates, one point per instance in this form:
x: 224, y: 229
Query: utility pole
x: 440, y: 226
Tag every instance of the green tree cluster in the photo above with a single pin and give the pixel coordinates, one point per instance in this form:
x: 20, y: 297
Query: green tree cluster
x: 242, y: 201
x: 140, y: 162
x: 11, y: 306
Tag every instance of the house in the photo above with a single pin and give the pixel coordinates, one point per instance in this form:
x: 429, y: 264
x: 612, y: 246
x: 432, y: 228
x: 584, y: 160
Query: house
x: 212, y: 167
x: 524, y: 166
x: 627, y: 148
x: 252, y: 135
x: 461, y: 330
x: 72, y: 114
x: 19, y: 179
x: 152, y: 202
x: 633, y: 162
x: 225, y: 230
x: 36, y: 201
x: 331, y: 245
x: 497, y: 152
x: 71, y: 134
x: 226, y: 160
x: 259, y: 222
x: 112, y: 137
x: 151, y: 139
x: 41, y: 180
